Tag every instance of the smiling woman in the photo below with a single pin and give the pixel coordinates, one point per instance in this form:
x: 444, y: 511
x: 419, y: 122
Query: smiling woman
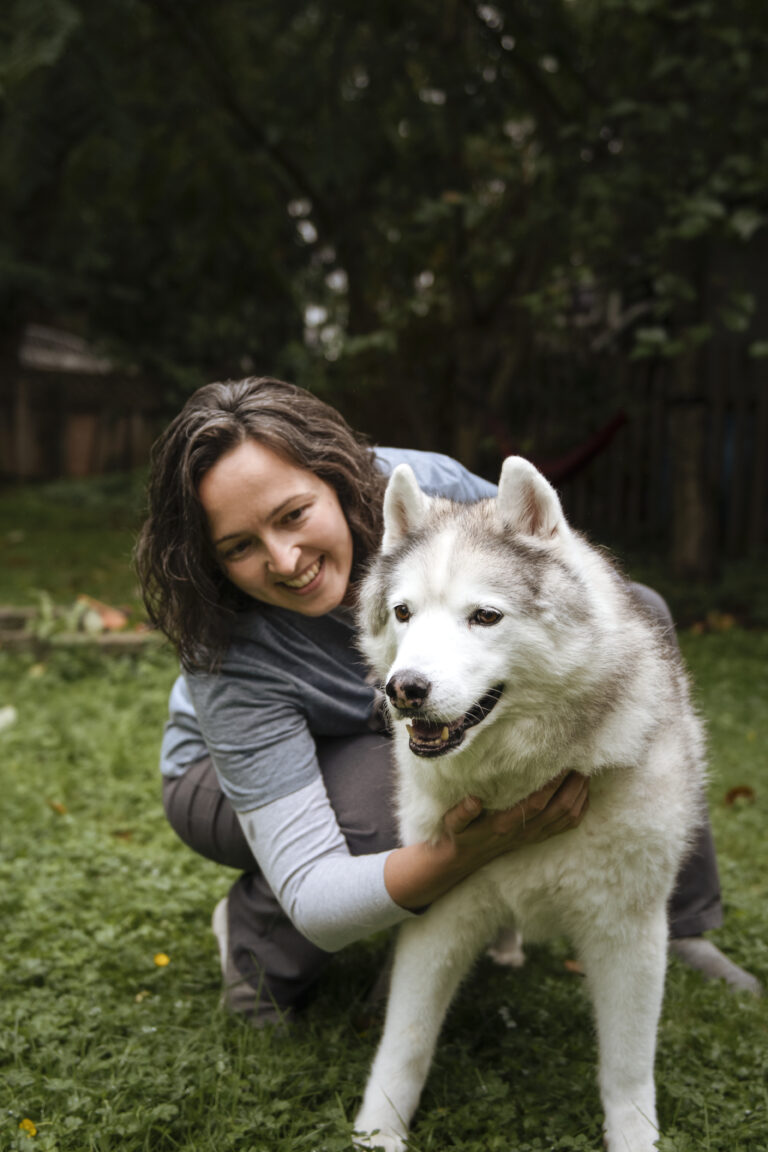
x: 264, y: 507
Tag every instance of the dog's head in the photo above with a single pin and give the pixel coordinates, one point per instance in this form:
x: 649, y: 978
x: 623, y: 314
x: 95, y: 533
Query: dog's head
x: 470, y: 607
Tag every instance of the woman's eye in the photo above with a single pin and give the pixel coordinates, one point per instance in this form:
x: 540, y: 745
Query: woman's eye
x: 237, y: 550
x: 294, y: 516
x: 485, y: 616
x: 402, y: 613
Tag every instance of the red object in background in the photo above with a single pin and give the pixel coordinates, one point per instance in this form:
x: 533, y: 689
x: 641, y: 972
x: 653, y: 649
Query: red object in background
x: 557, y: 469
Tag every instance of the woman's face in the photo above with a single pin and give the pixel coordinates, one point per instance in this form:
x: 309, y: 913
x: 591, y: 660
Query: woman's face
x: 278, y: 530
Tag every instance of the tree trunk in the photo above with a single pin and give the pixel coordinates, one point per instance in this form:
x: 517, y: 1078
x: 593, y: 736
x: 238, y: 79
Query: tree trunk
x: 694, y: 509
x: 471, y: 386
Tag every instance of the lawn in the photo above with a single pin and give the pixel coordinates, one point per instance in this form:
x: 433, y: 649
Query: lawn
x: 69, y: 538
x: 103, y: 1047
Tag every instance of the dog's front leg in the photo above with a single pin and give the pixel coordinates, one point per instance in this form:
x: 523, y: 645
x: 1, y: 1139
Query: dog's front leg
x: 625, y: 972
x: 433, y: 954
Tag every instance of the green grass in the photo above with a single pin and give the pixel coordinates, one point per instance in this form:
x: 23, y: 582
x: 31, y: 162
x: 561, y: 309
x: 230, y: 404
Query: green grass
x: 71, y: 537
x: 104, y: 1050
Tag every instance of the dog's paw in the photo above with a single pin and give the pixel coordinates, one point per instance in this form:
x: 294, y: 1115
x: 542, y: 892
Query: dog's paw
x: 387, y: 1140
x: 507, y: 949
x: 635, y: 1134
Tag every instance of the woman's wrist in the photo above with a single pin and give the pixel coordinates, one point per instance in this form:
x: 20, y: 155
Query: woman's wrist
x: 417, y: 874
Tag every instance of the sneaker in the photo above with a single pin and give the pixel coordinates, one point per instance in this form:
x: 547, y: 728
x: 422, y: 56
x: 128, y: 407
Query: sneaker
x: 707, y: 958
x: 238, y: 996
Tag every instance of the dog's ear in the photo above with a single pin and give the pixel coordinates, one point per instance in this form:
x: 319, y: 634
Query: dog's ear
x: 527, y: 503
x: 405, y: 507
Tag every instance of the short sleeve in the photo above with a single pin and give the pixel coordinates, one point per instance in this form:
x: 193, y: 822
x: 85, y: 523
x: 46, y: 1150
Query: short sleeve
x: 437, y: 475
x: 257, y: 735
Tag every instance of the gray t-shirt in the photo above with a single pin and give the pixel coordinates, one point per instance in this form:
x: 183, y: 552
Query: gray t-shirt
x: 287, y: 678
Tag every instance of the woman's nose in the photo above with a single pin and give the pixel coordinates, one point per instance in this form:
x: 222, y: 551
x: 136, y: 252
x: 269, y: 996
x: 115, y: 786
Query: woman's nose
x: 281, y: 557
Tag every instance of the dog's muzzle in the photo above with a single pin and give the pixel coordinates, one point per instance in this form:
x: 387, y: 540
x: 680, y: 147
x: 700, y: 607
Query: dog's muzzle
x: 430, y: 737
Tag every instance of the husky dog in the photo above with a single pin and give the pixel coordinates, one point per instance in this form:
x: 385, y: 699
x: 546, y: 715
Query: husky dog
x: 512, y: 650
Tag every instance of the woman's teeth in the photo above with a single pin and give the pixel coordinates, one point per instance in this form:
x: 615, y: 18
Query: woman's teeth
x: 305, y: 578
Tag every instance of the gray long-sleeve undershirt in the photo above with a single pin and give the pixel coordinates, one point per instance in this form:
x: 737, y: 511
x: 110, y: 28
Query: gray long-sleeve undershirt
x: 332, y: 897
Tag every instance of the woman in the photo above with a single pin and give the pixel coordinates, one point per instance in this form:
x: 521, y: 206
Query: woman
x: 263, y: 508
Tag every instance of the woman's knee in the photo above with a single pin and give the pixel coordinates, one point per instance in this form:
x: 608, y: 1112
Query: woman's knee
x: 202, y: 817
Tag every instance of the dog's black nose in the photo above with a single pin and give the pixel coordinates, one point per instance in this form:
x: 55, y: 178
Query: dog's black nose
x: 408, y: 689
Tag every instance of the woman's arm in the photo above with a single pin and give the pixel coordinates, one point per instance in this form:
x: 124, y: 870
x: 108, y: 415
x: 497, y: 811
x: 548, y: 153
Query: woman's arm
x: 334, y: 898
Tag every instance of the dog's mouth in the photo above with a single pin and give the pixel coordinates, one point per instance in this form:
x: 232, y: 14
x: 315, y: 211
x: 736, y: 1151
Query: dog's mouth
x: 436, y: 737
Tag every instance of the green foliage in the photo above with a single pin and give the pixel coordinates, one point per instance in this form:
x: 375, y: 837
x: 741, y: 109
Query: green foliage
x: 382, y: 200
x: 33, y: 35
x: 102, y: 1049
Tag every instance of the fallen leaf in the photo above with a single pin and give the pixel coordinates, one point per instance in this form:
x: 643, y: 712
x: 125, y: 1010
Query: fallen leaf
x: 58, y: 807
x: 112, y: 619
x: 742, y: 792
x: 720, y: 621
x: 574, y: 966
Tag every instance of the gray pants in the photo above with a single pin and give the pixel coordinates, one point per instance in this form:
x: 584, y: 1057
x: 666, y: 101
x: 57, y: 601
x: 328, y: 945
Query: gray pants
x: 264, y: 945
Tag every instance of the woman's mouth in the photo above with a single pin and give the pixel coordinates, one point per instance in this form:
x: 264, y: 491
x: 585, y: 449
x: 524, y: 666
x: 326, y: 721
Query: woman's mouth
x: 305, y: 581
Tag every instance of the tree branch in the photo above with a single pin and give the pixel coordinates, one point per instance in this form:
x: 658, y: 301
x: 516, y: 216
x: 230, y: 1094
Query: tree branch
x: 293, y: 178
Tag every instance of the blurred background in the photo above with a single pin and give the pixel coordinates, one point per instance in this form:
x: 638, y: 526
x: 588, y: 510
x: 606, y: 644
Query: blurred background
x: 533, y: 227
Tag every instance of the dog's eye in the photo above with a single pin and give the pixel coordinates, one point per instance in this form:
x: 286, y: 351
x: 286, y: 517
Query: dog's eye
x: 402, y: 612
x: 485, y: 616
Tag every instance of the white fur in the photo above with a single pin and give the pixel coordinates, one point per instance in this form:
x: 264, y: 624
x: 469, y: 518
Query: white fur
x: 588, y: 685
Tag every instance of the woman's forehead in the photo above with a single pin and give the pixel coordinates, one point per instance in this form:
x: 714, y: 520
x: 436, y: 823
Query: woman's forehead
x: 249, y: 482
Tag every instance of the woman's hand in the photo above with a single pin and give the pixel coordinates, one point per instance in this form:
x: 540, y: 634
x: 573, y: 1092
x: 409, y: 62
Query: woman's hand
x: 419, y: 873
x: 557, y: 807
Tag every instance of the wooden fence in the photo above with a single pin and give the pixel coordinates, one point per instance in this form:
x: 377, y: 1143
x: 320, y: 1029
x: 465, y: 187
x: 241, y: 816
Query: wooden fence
x: 53, y: 425
x: 625, y: 491
x: 65, y: 410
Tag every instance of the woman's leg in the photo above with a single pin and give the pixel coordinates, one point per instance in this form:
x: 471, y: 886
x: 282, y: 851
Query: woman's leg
x: 696, y: 906
x: 269, y: 967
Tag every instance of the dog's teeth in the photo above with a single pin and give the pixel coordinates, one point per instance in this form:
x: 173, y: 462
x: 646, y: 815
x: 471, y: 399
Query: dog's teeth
x: 444, y: 735
x: 409, y: 729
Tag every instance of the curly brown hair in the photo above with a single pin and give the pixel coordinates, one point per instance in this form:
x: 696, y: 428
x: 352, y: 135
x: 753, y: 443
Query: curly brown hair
x: 187, y: 595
